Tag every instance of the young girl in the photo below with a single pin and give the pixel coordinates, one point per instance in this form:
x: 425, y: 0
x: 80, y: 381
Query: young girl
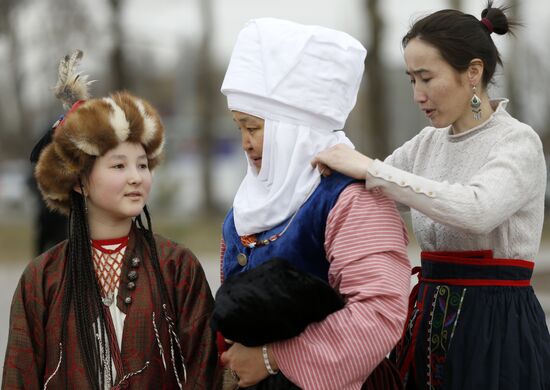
x: 113, y: 306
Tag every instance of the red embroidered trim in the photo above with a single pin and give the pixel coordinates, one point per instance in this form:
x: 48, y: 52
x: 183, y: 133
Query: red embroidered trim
x: 101, y: 244
x: 471, y: 258
x: 479, y: 282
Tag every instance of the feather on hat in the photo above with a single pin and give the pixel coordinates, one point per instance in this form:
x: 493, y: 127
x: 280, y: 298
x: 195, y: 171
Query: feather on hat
x: 90, y: 129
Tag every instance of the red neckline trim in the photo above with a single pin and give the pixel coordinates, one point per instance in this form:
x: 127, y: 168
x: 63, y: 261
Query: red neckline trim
x: 100, y: 244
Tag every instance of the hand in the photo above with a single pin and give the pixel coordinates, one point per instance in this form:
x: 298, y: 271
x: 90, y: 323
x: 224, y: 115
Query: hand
x: 343, y: 159
x: 248, y: 364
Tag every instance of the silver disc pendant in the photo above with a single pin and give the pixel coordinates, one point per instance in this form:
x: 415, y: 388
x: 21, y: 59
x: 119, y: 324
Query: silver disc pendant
x: 242, y: 259
x: 107, y: 301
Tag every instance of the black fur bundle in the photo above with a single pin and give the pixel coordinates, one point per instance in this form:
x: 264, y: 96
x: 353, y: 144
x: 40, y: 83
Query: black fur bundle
x: 272, y: 302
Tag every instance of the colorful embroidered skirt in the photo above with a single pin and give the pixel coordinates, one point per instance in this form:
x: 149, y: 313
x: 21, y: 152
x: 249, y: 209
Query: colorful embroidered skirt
x: 474, y: 323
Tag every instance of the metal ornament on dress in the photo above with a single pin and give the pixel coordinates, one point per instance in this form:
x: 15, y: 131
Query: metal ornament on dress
x: 108, y: 299
x: 175, y: 341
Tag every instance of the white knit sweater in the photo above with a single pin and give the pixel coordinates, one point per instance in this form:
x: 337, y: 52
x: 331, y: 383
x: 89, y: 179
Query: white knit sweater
x: 481, y: 189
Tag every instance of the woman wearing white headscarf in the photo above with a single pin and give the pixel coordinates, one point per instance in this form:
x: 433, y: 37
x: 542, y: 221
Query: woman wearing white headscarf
x: 290, y: 89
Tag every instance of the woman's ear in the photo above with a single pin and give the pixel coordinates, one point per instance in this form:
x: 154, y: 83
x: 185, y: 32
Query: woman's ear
x: 80, y: 187
x: 475, y: 72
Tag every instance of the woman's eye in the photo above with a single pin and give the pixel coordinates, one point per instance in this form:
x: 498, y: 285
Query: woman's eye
x: 143, y: 166
x: 118, y: 166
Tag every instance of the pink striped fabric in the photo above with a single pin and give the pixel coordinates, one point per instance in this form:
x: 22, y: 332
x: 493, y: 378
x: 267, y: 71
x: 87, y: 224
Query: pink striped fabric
x: 365, y: 244
x: 222, y: 252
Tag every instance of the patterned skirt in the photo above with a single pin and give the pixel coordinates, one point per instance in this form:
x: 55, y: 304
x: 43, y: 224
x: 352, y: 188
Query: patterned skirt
x: 474, y: 323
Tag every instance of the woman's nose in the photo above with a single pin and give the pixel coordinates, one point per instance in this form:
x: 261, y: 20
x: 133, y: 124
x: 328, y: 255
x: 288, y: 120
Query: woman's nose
x: 245, y: 141
x: 134, y: 176
x: 419, y: 95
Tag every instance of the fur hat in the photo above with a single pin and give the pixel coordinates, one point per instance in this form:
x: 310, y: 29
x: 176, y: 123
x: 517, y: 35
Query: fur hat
x: 90, y: 129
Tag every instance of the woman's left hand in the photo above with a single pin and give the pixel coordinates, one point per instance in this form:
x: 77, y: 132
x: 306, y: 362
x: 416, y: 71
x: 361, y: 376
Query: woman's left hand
x: 246, y: 362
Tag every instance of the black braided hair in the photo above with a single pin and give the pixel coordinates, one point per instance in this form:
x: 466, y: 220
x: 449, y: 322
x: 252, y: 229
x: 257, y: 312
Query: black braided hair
x: 165, y: 304
x: 82, y: 291
x: 148, y: 232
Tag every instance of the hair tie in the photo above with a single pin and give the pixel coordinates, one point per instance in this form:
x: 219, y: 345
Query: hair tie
x: 488, y: 25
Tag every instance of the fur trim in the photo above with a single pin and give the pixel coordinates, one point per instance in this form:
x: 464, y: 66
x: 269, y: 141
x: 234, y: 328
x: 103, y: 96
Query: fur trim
x: 118, y: 121
x: 95, y: 127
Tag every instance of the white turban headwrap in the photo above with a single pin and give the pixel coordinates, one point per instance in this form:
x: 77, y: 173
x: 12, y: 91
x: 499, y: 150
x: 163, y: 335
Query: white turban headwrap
x: 303, y: 81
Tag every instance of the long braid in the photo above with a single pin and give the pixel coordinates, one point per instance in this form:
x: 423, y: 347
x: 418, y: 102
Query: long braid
x: 82, y: 289
x: 67, y: 297
x: 148, y: 231
x: 169, y: 313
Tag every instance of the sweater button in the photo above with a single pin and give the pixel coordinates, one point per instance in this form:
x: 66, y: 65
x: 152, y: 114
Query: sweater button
x: 128, y: 300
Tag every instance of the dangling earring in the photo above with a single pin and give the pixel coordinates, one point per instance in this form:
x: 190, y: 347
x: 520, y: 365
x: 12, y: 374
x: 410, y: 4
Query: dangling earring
x: 84, y: 196
x: 475, y: 104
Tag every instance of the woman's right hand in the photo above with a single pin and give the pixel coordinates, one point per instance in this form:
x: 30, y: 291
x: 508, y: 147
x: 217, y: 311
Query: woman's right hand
x: 343, y: 159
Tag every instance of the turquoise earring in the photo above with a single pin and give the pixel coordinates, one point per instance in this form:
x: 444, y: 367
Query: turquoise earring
x: 475, y: 104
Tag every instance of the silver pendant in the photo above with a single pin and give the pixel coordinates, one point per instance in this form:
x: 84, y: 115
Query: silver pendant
x: 108, y: 300
x: 242, y: 259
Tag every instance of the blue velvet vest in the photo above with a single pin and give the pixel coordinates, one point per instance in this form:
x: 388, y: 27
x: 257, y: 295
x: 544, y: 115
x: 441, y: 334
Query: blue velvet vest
x: 303, y: 242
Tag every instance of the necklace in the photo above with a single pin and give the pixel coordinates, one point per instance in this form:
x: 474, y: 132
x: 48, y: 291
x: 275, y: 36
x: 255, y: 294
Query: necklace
x: 250, y: 241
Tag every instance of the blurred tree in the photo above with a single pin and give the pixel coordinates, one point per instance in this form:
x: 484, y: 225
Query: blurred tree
x: 30, y: 55
x: 511, y: 68
x: 14, y: 140
x: 118, y: 79
x: 376, y: 107
x: 456, y: 4
x: 204, y: 101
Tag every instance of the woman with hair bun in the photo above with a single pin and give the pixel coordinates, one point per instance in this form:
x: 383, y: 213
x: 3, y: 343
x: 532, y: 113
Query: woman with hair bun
x: 474, y: 182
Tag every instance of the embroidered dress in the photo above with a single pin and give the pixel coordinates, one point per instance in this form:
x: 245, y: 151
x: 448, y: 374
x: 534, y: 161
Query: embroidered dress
x: 143, y: 359
x: 467, y: 310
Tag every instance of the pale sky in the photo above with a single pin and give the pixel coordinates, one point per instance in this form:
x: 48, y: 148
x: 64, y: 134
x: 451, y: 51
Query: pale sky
x: 168, y: 22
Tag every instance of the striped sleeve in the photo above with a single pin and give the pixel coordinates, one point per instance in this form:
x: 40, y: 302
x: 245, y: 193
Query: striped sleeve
x: 365, y: 242
x: 222, y: 254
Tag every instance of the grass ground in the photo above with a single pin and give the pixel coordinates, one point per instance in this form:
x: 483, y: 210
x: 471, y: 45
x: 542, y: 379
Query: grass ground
x: 200, y: 235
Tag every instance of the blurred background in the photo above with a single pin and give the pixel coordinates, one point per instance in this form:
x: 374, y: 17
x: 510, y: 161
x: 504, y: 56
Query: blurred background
x: 174, y: 53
